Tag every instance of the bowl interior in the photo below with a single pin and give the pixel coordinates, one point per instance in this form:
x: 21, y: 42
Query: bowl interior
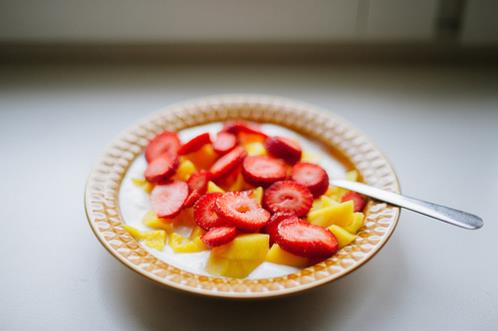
x: 335, y: 136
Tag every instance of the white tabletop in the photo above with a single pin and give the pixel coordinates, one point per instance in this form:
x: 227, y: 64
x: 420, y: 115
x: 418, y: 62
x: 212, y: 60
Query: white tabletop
x: 438, y: 126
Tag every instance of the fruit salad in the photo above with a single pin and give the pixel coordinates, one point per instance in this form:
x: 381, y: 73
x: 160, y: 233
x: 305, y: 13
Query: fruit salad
x: 244, y: 198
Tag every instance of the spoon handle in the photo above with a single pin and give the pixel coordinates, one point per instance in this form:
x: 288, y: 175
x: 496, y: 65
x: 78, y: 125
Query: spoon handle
x: 442, y: 213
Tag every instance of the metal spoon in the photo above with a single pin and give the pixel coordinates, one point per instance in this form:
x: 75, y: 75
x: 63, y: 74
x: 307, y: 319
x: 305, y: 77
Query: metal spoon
x: 441, y: 213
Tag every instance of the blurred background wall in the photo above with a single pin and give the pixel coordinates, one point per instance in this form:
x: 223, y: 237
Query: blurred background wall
x: 317, y: 24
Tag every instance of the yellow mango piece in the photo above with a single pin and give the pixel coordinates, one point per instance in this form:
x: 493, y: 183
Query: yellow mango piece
x: 343, y: 237
x: 255, y: 149
x: 181, y: 244
x: 203, y: 158
x: 135, y: 233
x: 155, y: 239
x: 322, y: 202
x: 238, y: 185
x: 279, y: 256
x: 151, y: 220
x: 212, y: 187
x: 352, y: 175
x: 220, y: 266
x: 185, y: 169
x: 335, y: 193
x: 341, y: 214
x: 309, y: 157
x: 246, y: 138
x: 252, y: 246
x: 143, y: 183
x: 257, y: 194
x: 356, y: 224
x: 196, y: 233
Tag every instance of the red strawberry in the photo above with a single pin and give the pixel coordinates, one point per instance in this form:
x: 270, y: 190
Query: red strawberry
x: 224, y: 142
x: 288, y: 197
x: 359, y: 201
x: 312, y: 176
x: 219, y: 236
x: 167, y: 200
x: 204, y: 213
x: 284, y: 148
x: 241, y: 210
x: 263, y: 170
x: 195, y: 144
x: 163, y: 143
x: 305, y: 239
x: 227, y: 162
x: 160, y: 169
x: 236, y: 127
x: 197, y: 186
x: 271, y: 226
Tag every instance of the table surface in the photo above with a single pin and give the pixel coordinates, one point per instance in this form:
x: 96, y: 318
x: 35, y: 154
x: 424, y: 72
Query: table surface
x: 438, y: 126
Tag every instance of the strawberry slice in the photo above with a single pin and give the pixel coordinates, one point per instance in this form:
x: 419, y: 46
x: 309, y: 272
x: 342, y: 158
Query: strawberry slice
x: 359, y: 200
x: 204, y: 213
x: 227, y: 162
x: 197, y: 186
x: 167, y: 200
x: 305, y: 239
x: 160, y: 169
x: 241, y: 210
x: 164, y: 143
x: 271, y: 226
x: 288, y: 197
x: 239, y: 126
x: 224, y: 142
x: 263, y: 170
x: 219, y: 236
x: 195, y: 144
x: 284, y: 148
x: 312, y: 176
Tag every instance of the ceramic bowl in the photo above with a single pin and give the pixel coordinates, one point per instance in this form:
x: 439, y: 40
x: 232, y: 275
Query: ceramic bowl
x: 336, y: 135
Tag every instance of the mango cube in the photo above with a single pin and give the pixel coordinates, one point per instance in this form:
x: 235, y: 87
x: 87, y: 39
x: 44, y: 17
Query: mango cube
x: 343, y: 237
x: 154, y: 239
x: 246, y: 138
x: 180, y: 244
x: 196, y: 233
x: 255, y: 149
x: 322, y: 202
x: 356, y: 224
x: 239, y: 257
x: 185, y: 169
x: 309, y: 157
x: 203, y: 158
x: 279, y: 256
x: 212, y: 187
x: 257, y: 194
x: 238, y: 184
x: 134, y: 232
x: 341, y: 214
x: 143, y: 183
x: 151, y: 220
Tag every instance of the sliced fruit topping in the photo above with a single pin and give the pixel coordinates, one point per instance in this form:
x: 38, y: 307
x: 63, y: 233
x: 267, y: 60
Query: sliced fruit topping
x: 279, y: 256
x: 263, y: 170
x: 195, y: 144
x: 204, y: 212
x: 180, y: 244
x: 203, y: 158
x: 241, y: 210
x: 284, y: 148
x: 271, y: 226
x: 197, y: 186
x: 236, y: 127
x: 288, y: 197
x: 165, y: 143
x: 212, y: 187
x: 359, y: 200
x: 304, y: 239
x: 343, y: 236
x: 160, y: 169
x: 219, y: 236
x: 167, y: 200
x: 312, y: 176
x: 227, y: 162
x: 224, y: 142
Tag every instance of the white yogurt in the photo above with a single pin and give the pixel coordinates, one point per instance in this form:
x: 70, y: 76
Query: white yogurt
x: 134, y: 202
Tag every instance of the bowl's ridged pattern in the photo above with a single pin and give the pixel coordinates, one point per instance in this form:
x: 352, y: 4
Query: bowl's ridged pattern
x: 103, y: 187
